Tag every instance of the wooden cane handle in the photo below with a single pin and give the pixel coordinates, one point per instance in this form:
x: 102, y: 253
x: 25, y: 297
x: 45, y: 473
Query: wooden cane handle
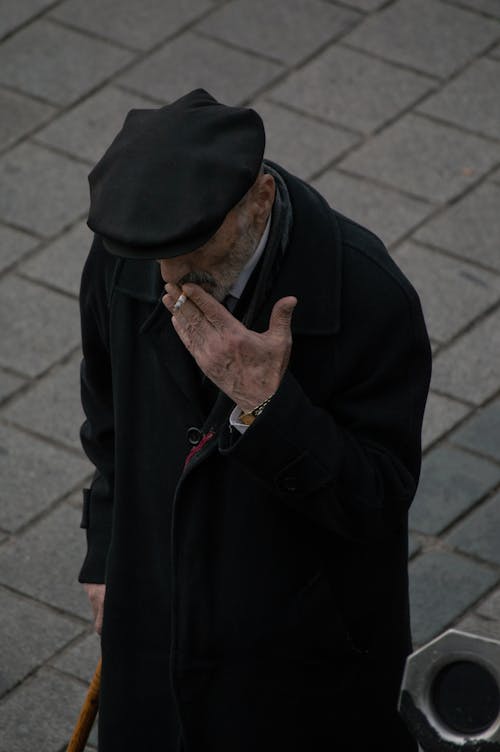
x: 87, y: 714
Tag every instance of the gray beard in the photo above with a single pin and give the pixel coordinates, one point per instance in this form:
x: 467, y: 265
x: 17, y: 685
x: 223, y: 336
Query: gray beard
x: 228, y: 270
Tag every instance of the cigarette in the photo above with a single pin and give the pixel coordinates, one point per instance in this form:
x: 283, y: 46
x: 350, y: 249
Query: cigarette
x: 180, y: 301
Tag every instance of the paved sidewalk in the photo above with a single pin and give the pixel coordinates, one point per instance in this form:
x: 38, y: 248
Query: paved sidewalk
x: 392, y: 109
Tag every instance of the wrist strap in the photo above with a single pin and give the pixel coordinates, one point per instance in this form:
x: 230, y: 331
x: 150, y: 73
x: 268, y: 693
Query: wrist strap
x: 249, y: 417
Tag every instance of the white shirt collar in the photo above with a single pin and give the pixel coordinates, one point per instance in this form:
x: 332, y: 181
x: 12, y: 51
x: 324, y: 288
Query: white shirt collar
x: 238, y: 287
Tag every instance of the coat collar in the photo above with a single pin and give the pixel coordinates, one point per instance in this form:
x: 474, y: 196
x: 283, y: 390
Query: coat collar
x: 311, y: 271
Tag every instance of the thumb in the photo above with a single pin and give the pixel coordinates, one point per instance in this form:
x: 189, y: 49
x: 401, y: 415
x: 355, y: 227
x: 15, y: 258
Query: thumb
x: 281, y: 315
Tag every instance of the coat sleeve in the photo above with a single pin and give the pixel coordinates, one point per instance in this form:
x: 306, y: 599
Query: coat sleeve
x: 97, y: 431
x: 351, y: 465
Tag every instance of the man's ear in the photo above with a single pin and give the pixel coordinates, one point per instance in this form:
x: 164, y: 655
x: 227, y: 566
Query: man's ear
x: 264, y: 190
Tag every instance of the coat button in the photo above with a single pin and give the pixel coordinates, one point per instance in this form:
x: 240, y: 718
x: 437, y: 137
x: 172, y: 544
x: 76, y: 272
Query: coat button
x: 289, y: 483
x: 194, y: 435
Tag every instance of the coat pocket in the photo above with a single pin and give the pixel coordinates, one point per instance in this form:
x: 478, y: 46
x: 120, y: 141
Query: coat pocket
x: 321, y: 627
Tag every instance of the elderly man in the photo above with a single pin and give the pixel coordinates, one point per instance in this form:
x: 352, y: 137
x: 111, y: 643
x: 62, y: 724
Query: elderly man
x: 254, y: 379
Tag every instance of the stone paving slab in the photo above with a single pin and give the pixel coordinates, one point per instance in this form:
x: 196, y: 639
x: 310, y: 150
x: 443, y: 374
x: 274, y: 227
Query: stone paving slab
x: 469, y: 228
x: 13, y: 245
x: 452, y: 481
x: 442, y: 586
x: 427, y: 35
x: 52, y: 407
x: 39, y: 326
x: 478, y: 625
x: 441, y: 414
x: 41, y: 191
x: 15, y: 13
x: 468, y: 101
x: 57, y: 64
x: 453, y: 293
x: 42, y: 713
x: 292, y: 32
x: 304, y: 145
x: 469, y: 368
x: 351, y: 89
x: 60, y: 264
x: 49, y: 572
x: 479, y: 534
x: 490, y: 607
x: 386, y: 212
x: 80, y: 659
x: 424, y: 158
x: 20, y: 115
x: 230, y: 75
x: 89, y: 128
x: 34, y: 475
x: 137, y: 25
x: 482, y: 432
x: 31, y: 634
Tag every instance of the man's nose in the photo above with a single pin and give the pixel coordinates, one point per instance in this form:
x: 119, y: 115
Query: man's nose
x: 173, y: 269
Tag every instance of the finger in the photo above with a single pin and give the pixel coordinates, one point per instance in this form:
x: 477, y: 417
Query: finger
x: 281, y: 315
x: 213, y: 311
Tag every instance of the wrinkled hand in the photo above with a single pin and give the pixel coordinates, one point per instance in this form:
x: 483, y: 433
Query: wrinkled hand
x: 248, y: 366
x: 96, y: 595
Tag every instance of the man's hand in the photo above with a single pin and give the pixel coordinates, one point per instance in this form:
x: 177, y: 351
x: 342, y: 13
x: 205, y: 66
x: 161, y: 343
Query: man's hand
x: 248, y: 366
x: 96, y: 595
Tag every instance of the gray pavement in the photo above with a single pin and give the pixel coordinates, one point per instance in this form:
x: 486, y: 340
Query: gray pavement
x: 392, y: 109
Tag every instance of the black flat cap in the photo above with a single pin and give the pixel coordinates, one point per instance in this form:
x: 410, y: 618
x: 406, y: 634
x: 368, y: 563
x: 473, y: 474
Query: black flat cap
x: 171, y: 175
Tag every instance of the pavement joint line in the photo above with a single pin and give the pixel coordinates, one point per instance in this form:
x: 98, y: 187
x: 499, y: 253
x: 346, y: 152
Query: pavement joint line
x: 30, y: 677
x: 55, y: 443
x: 382, y: 184
x: 289, y: 69
x: 239, y: 48
x: 310, y: 116
x: 45, y: 285
x: 91, y: 34
x: 51, y: 507
x: 395, y: 64
x: 366, y: 137
x: 61, y: 361
x: 474, y: 452
x: 446, y: 437
x: 29, y: 95
x: 453, y: 254
x: 346, y: 6
x: 467, y: 328
x: 43, y: 244
x: 71, y: 156
x: 451, y: 124
x: 34, y: 17
x: 122, y: 86
x: 440, y: 393
x: 467, y: 512
x: 471, y: 9
x: 18, y: 228
x: 436, y: 80
x: 70, y: 615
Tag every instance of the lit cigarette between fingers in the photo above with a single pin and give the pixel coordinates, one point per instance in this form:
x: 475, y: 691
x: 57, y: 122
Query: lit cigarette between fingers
x: 180, y: 301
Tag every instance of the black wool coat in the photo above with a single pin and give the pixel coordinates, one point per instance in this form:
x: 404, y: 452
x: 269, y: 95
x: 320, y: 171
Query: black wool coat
x: 257, y: 597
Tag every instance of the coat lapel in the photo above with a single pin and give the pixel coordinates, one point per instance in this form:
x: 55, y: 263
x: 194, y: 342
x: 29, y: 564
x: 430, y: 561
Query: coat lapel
x: 142, y: 280
x: 312, y: 268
